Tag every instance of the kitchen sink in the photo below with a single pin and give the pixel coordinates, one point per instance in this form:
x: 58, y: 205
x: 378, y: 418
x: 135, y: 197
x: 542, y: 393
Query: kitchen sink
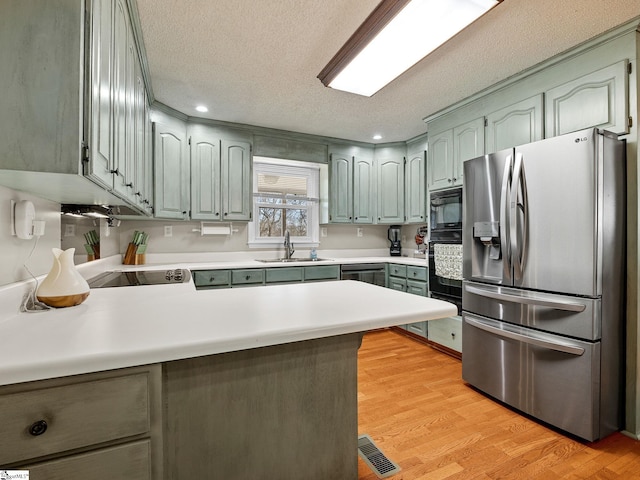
x: 287, y: 260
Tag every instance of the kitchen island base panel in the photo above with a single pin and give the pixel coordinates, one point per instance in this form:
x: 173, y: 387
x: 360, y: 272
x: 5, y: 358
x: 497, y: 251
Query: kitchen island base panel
x: 274, y: 412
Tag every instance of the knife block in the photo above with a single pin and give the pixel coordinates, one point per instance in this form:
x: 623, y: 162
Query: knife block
x: 130, y: 255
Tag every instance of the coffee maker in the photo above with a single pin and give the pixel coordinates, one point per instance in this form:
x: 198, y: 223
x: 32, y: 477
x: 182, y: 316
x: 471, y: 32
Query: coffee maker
x: 393, y: 234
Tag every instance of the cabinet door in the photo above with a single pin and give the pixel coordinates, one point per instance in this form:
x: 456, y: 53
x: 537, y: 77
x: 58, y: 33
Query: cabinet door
x: 364, y: 190
x: 598, y: 99
x: 515, y: 125
x: 390, y: 190
x: 235, y: 186
x: 120, y: 56
x: 468, y: 142
x: 440, y: 160
x: 140, y: 163
x: 419, y: 328
x: 148, y: 158
x: 205, y: 177
x: 415, y: 187
x: 447, y: 332
x: 101, y: 121
x: 171, y: 179
x: 340, y: 188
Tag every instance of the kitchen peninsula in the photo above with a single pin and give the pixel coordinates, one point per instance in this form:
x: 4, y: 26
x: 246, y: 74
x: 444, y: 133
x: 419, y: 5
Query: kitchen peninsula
x: 256, y: 382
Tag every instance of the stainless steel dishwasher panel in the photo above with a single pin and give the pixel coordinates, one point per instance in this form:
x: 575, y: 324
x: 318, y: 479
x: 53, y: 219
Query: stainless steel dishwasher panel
x: 373, y: 273
x: 553, y: 378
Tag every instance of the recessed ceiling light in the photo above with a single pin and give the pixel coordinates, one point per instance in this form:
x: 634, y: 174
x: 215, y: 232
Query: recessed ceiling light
x: 202, y: 108
x: 377, y: 137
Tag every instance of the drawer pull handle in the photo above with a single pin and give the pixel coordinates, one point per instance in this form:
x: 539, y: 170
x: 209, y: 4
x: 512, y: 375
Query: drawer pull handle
x: 38, y: 428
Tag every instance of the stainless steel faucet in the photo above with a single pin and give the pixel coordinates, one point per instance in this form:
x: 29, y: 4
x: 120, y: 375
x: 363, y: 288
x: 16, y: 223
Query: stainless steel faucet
x: 288, y: 246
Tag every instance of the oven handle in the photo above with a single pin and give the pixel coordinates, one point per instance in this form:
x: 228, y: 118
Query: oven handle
x: 507, y: 331
x: 532, y: 299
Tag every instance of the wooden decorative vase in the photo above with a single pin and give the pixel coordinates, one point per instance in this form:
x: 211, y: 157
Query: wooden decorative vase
x: 63, y: 286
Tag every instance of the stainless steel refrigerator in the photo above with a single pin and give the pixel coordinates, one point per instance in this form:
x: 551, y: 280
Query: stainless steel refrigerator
x: 544, y: 280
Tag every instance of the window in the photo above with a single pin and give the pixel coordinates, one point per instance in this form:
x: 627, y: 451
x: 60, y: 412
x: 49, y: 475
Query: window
x: 285, y: 198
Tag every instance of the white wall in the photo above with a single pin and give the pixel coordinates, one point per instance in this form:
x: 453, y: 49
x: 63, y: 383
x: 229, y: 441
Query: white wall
x: 13, y: 251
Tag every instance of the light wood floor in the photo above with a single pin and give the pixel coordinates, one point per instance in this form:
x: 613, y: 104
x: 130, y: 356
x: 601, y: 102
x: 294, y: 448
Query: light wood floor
x: 414, y: 405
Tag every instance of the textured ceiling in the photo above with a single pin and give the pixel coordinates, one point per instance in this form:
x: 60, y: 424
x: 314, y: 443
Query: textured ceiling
x: 256, y: 61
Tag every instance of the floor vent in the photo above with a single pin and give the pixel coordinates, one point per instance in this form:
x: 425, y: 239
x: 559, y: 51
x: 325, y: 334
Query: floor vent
x: 375, y: 459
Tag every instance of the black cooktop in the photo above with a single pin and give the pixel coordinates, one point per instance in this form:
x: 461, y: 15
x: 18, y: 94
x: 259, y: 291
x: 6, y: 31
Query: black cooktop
x: 132, y: 279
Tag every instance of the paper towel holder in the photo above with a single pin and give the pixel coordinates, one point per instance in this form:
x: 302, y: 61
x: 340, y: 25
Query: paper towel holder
x: 215, y: 228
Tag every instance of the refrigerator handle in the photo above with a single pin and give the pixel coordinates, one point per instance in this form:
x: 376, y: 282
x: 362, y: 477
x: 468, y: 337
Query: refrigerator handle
x: 506, y: 331
x: 505, y: 245
x: 518, y: 248
x: 532, y: 299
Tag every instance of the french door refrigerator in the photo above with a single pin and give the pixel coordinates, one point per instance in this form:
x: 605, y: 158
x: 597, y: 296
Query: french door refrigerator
x: 544, y: 289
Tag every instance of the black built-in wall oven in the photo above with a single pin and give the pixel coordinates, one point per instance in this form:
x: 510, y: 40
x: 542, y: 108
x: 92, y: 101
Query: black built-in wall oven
x: 445, y: 225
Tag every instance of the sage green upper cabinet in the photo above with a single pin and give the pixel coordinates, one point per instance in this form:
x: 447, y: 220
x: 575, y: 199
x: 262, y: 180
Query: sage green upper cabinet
x: 364, y: 190
x: 441, y: 166
x: 468, y: 142
x: 415, y: 182
x: 235, y: 172
x: 340, y: 188
x: 171, y: 176
x: 101, y: 126
x: 352, y: 187
x: 58, y: 119
x: 514, y: 125
x: 599, y: 99
x: 449, y: 149
x: 205, y: 176
x: 390, y: 173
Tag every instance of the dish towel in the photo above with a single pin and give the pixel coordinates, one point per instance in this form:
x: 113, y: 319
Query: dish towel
x: 448, y: 260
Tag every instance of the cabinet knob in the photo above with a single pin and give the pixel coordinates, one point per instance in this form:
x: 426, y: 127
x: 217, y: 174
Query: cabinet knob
x: 225, y: 214
x: 38, y: 428
x: 247, y: 277
x: 454, y: 179
x: 128, y: 185
x: 138, y: 194
x: 453, y: 335
x: 449, y: 180
x: 211, y: 279
x: 114, y: 171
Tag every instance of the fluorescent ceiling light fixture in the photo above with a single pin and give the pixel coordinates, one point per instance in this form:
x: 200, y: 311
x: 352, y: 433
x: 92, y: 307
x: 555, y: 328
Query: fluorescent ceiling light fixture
x: 377, y: 137
x: 396, y: 36
x: 202, y: 108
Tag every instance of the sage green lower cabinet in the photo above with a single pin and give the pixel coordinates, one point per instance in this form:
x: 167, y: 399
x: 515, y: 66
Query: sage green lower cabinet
x: 447, y: 332
x: 411, y: 279
x: 250, y: 277
x: 247, y: 277
x: 284, y: 275
x: 322, y: 272
x: 204, y: 279
x: 279, y: 412
x: 99, y: 426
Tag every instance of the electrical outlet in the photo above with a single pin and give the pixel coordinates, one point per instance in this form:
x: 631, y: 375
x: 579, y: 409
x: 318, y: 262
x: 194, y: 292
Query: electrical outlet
x: 168, y: 231
x: 359, y: 232
x: 69, y: 230
x: 323, y: 231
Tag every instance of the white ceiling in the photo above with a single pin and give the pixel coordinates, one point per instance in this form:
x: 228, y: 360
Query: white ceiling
x: 255, y: 61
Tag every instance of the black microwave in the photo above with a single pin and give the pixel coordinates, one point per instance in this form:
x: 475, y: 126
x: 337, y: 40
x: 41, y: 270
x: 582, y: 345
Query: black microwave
x: 446, y: 210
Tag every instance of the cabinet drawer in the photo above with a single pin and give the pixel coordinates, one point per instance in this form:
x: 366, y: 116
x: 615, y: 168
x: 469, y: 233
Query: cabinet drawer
x: 325, y: 272
x: 417, y: 273
x: 398, y: 284
x: 447, y: 332
x: 76, y: 415
x: 245, y: 277
x: 398, y: 270
x: 417, y: 288
x: 212, y: 278
x: 288, y: 274
x: 419, y: 328
x: 131, y: 461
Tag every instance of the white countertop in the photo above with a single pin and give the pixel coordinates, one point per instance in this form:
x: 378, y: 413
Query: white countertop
x: 128, y: 326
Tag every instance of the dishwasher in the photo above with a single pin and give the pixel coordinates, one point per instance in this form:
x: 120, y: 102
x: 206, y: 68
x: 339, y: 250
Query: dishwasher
x: 364, y: 272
